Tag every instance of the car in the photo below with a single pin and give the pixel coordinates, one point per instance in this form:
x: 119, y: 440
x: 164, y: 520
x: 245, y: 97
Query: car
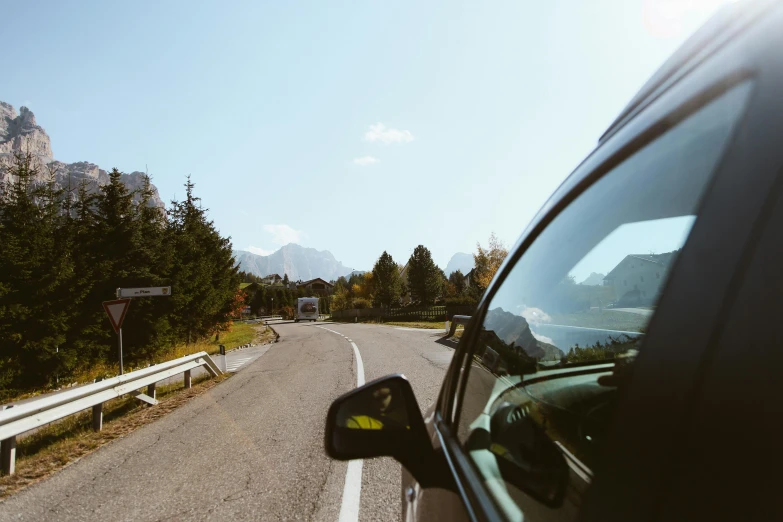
x: 665, y: 409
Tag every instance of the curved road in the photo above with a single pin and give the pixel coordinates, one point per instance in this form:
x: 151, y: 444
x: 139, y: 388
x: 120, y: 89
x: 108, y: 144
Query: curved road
x: 252, y: 447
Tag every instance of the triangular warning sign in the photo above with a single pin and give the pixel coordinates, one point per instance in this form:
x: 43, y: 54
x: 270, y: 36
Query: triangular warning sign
x: 116, y: 311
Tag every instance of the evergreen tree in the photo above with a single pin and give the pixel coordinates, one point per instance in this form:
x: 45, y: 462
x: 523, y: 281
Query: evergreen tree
x: 204, y: 277
x: 458, y: 280
x: 386, y: 281
x: 424, y: 277
x: 36, y: 273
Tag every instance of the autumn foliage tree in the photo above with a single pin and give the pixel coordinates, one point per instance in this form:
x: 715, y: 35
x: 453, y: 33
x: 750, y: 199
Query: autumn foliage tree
x: 487, y: 261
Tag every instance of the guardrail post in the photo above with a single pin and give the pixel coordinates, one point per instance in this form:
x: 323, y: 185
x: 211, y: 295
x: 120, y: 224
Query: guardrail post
x: 187, y: 380
x: 8, y: 456
x: 97, y: 417
x: 151, y: 391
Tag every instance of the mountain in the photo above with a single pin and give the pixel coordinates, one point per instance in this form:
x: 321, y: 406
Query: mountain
x: 594, y: 279
x: 296, y: 261
x: 515, y: 330
x: 459, y: 261
x: 21, y: 133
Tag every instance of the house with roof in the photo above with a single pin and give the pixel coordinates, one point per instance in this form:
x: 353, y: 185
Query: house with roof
x: 316, y: 286
x: 272, y: 279
x: 638, y: 279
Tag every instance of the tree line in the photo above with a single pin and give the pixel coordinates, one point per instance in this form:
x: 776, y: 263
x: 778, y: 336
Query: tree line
x: 422, y: 283
x: 65, y: 250
x: 276, y: 299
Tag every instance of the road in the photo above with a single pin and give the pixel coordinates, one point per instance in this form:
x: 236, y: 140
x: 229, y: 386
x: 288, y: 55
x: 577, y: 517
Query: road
x: 252, y: 447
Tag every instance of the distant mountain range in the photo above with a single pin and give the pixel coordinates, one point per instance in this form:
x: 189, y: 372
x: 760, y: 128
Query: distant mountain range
x: 295, y: 260
x: 21, y: 133
x: 460, y: 261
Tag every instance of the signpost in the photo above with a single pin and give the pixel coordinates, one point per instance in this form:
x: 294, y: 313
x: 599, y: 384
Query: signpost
x: 116, y: 311
x: 150, y: 291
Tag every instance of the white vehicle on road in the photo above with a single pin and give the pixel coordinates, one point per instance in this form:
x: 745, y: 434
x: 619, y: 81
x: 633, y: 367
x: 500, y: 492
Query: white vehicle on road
x: 306, y: 309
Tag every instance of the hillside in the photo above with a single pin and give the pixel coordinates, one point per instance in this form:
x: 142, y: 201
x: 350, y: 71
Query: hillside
x: 295, y: 260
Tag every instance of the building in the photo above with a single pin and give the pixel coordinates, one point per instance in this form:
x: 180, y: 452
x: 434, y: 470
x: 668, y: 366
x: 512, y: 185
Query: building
x: 272, y: 279
x: 316, y: 286
x: 638, y: 279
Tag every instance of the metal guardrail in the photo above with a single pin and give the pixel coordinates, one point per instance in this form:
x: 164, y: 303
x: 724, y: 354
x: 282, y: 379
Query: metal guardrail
x: 457, y: 319
x: 268, y: 318
x: 15, y: 420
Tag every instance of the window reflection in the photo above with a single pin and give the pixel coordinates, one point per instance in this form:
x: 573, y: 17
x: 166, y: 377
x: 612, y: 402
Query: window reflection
x: 562, y: 332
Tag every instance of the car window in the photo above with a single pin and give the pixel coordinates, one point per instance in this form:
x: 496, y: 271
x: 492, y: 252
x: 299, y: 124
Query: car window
x: 559, y: 335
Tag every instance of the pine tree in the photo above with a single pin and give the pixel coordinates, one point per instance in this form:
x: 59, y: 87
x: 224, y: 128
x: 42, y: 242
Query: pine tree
x: 457, y: 280
x: 35, y: 273
x: 386, y: 281
x: 204, y: 275
x: 424, y: 277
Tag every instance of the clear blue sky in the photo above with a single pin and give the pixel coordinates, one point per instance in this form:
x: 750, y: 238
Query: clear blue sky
x: 273, y: 107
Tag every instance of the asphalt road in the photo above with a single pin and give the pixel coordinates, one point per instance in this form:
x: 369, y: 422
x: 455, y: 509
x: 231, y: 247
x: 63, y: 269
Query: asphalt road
x: 252, y: 447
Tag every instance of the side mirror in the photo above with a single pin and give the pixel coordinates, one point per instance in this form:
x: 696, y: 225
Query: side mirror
x: 382, y: 418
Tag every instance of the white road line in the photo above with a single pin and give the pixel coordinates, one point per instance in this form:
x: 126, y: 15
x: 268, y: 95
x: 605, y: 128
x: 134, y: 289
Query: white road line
x: 352, y: 490
x: 234, y: 365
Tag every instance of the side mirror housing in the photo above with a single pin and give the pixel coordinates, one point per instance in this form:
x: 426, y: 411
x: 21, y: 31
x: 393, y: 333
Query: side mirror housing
x: 382, y: 418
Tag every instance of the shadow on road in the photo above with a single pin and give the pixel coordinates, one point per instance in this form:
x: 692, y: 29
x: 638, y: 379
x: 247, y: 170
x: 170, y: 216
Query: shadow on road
x: 448, y: 341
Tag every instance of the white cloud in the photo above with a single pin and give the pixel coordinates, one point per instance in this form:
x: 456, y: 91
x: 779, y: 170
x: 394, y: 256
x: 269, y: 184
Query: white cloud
x: 259, y: 251
x: 283, y: 234
x: 365, y: 160
x: 535, y: 315
x: 379, y: 132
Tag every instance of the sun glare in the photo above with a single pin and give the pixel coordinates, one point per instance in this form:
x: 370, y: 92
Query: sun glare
x: 675, y: 18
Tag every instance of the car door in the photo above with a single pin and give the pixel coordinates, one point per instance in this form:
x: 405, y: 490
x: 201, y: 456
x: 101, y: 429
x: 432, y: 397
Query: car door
x: 547, y: 362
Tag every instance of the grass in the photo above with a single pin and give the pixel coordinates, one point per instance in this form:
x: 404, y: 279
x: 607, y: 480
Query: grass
x: 240, y: 334
x: 429, y: 325
x: 51, y: 448
x: 606, y: 319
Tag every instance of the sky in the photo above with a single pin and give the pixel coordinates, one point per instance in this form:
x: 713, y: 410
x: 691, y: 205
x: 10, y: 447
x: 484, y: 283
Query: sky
x: 351, y: 126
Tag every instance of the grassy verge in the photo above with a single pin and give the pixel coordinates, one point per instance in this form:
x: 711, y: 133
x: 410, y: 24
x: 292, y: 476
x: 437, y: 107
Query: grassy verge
x: 240, y: 334
x: 53, y: 447
x: 428, y: 325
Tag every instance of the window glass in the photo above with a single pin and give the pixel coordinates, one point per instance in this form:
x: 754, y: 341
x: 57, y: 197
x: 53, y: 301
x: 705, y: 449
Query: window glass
x: 561, y: 332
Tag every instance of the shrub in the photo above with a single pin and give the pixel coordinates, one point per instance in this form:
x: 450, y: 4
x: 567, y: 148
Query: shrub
x: 361, y: 303
x: 287, y: 312
x: 463, y: 300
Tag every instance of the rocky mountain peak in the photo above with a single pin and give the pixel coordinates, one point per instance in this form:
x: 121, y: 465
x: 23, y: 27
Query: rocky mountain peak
x: 21, y: 133
x: 296, y: 261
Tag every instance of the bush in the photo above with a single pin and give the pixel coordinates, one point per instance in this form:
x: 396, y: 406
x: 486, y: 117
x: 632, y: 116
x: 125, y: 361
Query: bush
x: 287, y: 312
x: 463, y: 300
x: 361, y: 303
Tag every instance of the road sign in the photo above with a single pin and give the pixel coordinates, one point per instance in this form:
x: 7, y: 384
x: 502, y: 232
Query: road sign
x: 116, y: 311
x: 150, y: 291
